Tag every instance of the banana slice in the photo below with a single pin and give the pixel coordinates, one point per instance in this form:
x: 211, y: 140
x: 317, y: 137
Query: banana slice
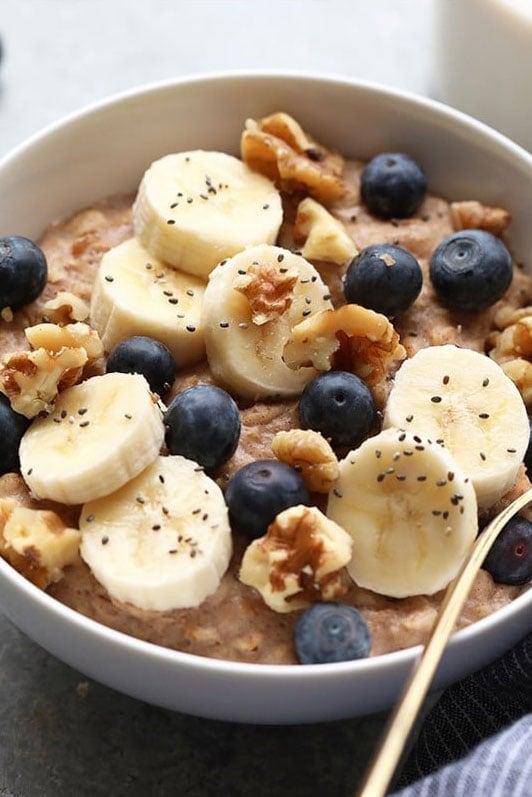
x: 252, y: 302
x: 101, y: 434
x: 162, y: 541
x: 136, y: 294
x: 411, y: 513
x: 465, y: 399
x: 196, y: 208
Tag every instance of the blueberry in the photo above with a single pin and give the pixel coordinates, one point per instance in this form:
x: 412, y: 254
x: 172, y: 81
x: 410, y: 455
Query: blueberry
x: 328, y: 632
x: 510, y: 558
x: 146, y: 356
x: 393, y: 185
x: 23, y: 271
x: 340, y: 406
x: 383, y: 277
x: 203, y: 424
x: 12, y: 427
x: 257, y: 492
x: 470, y: 270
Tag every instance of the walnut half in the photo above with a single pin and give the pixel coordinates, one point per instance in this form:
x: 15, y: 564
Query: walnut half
x: 279, y: 148
x: 301, y: 559
x: 310, y: 453
x: 353, y: 337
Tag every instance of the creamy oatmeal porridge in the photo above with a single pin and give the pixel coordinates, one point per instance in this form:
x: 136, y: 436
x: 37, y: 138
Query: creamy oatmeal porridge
x: 323, y: 217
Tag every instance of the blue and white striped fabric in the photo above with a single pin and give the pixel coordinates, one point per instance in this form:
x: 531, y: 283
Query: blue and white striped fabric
x: 477, y: 740
x: 499, y: 767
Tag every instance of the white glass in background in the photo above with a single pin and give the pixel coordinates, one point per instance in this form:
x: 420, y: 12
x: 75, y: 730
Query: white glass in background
x: 483, y: 62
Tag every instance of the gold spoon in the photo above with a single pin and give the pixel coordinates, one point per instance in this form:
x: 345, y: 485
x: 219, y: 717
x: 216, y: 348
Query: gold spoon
x: 404, y: 715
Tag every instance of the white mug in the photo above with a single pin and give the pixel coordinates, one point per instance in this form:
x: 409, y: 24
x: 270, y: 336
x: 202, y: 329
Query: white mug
x: 483, y: 62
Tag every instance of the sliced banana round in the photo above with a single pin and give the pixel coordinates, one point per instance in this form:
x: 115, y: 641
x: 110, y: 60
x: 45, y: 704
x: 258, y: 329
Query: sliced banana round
x: 162, y: 541
x: 100, y: 434
x: 411, y: 513
x: 196, y: 208
x: 136, y: 294
x: 252, y: 302
x: 465, y: 400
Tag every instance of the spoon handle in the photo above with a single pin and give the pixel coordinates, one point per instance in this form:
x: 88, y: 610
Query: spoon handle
x: 404, y: 715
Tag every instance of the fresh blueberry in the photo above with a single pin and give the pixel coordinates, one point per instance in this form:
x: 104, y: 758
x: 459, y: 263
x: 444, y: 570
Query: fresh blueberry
x: 393, y: 185
x: 528, y: 455
x: 146, y: 356
x: 510, y: 558
x: 384, y: 277
x: 23, y: 271
x: 340, y: 406
x: 12, y: 427
x: 257, y: 492
x: 203, y: 424
x: 328, y: 632
x: 470, y: 270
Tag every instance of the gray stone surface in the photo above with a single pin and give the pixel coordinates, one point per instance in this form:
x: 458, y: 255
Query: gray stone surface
x: 59, y: 733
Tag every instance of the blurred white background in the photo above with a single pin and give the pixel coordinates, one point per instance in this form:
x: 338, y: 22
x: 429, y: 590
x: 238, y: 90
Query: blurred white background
x: 60, y: 55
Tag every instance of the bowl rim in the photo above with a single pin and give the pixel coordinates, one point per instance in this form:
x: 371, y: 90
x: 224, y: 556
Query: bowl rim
x: 341, y: 79
x: 119, y: 639
x: 165, y: 655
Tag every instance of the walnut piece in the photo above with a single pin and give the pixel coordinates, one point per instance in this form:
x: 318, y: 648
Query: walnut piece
x: 268, y: 292
x: 300, y: 559
x: 32, y: 379
x: 512, y: 347
x: 474, y: 215
x: 351, y: 337
x: 65, y: 307
x: 54, y: 338
x: 36, y: 542
x: 325, y: 237
x: 310, y: 453
x: 278, y: 147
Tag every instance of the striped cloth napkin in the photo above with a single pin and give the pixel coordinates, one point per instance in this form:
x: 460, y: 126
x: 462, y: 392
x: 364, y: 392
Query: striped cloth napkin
x: 477, y: 740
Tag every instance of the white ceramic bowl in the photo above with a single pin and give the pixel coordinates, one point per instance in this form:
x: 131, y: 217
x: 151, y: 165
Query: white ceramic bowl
x: 105, y: 149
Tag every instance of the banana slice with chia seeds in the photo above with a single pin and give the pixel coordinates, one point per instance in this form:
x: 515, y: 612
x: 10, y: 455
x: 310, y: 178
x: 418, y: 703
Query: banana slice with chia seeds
x: 100, y: 434
x: 136, y: 294
x: 196, y: 208
x: 252, y: 302
x: 410, y: 511
x: 162, y: 541
x: 464, y: 399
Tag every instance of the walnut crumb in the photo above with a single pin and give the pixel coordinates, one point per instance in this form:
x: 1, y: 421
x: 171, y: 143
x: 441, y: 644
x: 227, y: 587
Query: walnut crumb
x: 325, y: 237
x: 474, y: 215
x: 268, y: 291
x: 511, y: 347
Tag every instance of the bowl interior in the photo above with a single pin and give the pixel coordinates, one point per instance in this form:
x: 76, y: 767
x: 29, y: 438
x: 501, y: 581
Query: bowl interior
x: 104, y: 150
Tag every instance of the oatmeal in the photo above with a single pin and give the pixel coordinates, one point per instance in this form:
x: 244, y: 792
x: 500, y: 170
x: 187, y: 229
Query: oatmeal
x: 324, y: 215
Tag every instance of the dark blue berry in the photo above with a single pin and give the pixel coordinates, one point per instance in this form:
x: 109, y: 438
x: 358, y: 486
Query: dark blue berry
x: 12, y: 427
x: 257, y: 492
x: 328, y: 632
x: 340, y: 406
x: 470, y: 270
x: 383, y: 277
x: 203, y: 424
x: 393, y: 185
x: 146, y: 356
x: 23, y: 271
x: 510, y: 558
